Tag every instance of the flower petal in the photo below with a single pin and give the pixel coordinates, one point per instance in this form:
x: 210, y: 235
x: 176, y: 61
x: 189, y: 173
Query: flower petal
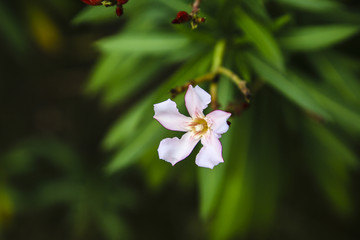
x: 210, y: 154
x: 168, y: 115
x: 217, y: 120
x: 174, y: 149
x: 196, y: 100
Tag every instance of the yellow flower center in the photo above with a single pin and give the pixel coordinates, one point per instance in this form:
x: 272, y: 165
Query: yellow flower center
x: 199, y: 127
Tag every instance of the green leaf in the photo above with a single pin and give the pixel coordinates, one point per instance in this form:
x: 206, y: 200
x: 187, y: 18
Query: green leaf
x: 176, y: 5
x: 312, y: 5
x: 110, y: 68
x: 118, y: 77
x: 346, y: 115
x: 234, y: 207
x: 154, y: 43
x: 307, y: 95
x: 317, y: 37
x: 261, y: 37
x: 135, y: 148
x: 218, y: 55
x: 292, y: 90
x: 331, y: 161
x: 258, y: 8
x: 349, y: 118
x: 337, y: 74
x: 251, y: 187
x: 126, y: 126
x: 131, y: 81
x: 95, y: 15
x: 281, y: 22
x: 264, y: 160
x: 211, y: 181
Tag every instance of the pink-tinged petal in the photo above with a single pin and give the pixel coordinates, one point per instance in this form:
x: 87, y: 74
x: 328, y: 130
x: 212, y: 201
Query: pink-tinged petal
x: 210, y: 154
x: 218, y: 121
x: 174, y: 149
x: 168, y: 115
x: 196, y: 100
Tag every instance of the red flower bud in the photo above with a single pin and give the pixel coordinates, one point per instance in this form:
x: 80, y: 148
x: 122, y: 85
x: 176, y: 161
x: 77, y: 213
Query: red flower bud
x: 92, y: 2
x: 175, y: 21
x: 181, y: 17
x: 119, y: 10
x: 119, y: 2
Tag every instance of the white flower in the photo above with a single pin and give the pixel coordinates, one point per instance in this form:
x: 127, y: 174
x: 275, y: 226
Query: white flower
x: 198, y: 127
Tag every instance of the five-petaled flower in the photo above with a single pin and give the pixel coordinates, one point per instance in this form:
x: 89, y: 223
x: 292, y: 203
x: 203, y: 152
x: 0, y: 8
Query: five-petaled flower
x: 198, y: 127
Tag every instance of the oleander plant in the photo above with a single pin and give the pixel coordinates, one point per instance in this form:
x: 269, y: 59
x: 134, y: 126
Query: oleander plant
x: 193, y: 120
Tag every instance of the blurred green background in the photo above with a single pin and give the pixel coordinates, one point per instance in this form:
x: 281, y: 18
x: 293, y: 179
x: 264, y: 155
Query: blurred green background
x: 78, y: 145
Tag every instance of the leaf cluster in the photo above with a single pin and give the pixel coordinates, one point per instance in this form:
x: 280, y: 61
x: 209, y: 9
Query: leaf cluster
x: 301, y: 62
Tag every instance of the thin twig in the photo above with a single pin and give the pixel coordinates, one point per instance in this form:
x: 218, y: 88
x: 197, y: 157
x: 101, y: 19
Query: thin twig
x: 240, y: 83
x: 213, y: 78
x: 195, y: 7
x: 214, y: 93
x: 180, y: 89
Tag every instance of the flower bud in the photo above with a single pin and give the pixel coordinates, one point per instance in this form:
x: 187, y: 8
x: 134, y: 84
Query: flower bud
x: 92, y: 2
x: 119, y: 10
x: 181, y: 17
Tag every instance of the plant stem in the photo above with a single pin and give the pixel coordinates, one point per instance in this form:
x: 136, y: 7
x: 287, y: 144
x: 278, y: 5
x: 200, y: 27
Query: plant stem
x: 240, y: 83
x: 212, y: 77
x: 219, y: 52
x: 195, y: 7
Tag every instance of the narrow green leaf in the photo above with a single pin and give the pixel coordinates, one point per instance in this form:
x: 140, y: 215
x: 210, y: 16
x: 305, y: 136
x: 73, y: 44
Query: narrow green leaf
x: 154, y: 43
x: 176, y: 5
x: 307, y: 95
x: 333, y: 145
x: 317, y: 37
x: 339, y: 111
x: 312, y: 5
x: 292, y: 90
x: 135, y: 148
x: 111, y: 67
x: 234, y: 208
x: 336, y: 72
x: 126, y: 126
x: 281, y: 22
x: 264, y: 155
x: 95, y: 15
x: 218, y: 54
x: 347, y: 117
x: 331, y: 162
x: 210, y: 181
x: 128, y: 83
x: 258, y: 8
x: 261, y: 38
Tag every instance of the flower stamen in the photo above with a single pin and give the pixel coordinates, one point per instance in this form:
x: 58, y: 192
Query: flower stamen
x: 199, y: 127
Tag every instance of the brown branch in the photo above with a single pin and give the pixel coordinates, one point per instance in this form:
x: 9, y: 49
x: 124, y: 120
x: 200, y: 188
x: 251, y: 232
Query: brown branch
x: 195, y: 8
